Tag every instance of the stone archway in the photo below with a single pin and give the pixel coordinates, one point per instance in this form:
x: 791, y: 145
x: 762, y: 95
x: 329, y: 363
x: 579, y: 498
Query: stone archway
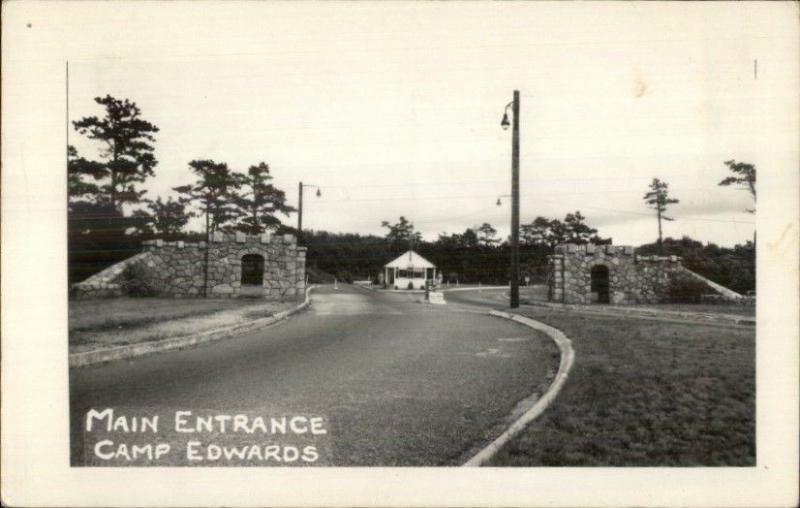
x: 600, y: 284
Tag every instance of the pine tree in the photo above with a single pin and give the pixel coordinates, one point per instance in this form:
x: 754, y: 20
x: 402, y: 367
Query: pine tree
x: 100, y: 231
x: 402, y: 235
x: 486, y: 235
x: 658, y: 199
x: 575, y: 229
x: 745, y: 177
x: 214, y: 193
x: 126, y: 158
x: 260, y: 201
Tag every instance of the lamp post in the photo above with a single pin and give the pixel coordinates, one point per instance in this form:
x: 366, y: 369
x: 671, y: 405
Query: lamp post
x: 500, y: 203
x: 300, y: 206
x: 514, y: 105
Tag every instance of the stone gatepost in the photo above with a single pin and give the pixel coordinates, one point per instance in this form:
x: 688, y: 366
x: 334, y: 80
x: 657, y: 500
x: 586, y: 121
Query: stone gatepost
x: 555, y: 277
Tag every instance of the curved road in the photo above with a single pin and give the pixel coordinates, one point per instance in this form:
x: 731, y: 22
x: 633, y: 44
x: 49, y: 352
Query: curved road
x: 399, y: 382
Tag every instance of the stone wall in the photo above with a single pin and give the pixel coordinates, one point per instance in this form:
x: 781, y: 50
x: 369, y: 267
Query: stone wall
x: 177, y: 269
x: 631, y: 278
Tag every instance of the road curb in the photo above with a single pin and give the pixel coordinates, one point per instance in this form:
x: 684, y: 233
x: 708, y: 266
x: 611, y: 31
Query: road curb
x: 145, y: 348
x: 479, y: 288
x: 565, y: 366
x: 421, y: 291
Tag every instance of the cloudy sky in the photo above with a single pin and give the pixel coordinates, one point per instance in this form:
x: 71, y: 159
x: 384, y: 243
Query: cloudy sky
x: 395, y: 109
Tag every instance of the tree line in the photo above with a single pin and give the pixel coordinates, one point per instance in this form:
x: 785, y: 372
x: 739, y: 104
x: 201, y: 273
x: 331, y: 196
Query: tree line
x: 478, y: 256
x: 475, y: 255
x: 109, y: 215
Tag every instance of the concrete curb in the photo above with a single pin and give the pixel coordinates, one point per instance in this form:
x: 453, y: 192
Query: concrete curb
x: 376, y: 289
x: 157, y: 346
x: 421, y: 291
x: 564, y: 368
x: 479, y: 288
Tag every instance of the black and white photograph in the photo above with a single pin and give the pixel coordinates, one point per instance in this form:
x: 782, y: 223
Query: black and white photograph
x: 536, y: 243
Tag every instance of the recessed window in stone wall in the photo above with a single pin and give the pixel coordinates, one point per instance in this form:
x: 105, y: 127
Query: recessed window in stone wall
x: 252, y: 270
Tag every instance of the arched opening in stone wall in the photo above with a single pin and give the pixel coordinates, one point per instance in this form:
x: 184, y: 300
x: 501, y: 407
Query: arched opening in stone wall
x: 252, y: 270
x: 599, y: 284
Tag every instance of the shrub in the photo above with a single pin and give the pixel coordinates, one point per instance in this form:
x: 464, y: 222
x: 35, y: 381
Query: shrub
x: 345, y: 276
x: 135, y: 282
x: 410, y: 285
x: 681, y: 290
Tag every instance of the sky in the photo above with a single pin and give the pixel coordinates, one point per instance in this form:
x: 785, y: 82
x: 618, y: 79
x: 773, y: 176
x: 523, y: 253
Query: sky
x: 395, y: 109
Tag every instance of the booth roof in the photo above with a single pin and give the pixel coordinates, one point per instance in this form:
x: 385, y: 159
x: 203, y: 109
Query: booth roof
x: 410, y: 258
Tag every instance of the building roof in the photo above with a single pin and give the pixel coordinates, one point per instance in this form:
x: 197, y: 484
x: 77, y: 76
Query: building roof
x: 410, y: 258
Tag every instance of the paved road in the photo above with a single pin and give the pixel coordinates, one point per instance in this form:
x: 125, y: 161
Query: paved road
x: 399, y: 382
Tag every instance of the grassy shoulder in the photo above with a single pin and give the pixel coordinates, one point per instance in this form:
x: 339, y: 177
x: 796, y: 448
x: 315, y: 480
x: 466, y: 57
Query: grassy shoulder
x: 704, y: 308
x: 539, y: 293
x: 645, y: 393
x: 101, y: 323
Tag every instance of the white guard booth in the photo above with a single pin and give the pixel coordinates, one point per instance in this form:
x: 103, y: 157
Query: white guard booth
x: 409, y: 269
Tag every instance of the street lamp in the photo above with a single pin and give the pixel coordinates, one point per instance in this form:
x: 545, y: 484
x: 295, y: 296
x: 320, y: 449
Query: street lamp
x: 300, y: 205
x: 514, y: 105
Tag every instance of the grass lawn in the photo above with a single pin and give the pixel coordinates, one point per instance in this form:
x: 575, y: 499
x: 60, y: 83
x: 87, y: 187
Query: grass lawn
x: 645, y: 393
x: 107, y: 313
x: 707, y: 308
x: 98, y: 323
x: 535, y: 293
x: 538, y: 293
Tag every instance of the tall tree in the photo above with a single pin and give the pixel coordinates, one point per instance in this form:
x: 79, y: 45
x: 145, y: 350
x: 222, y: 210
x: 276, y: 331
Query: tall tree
x: 486, y: 234
x: 260, y: 201
x: 658, y: 199
x: 126, y: 156
x: 551, y: 232
x: 81, y: 175
x: 402, y: 234
x: 468, y: 239
x: 744, y: 175
x: 89, y: 212
x: 214, y: 193
x: 576, y: 230
x: 100, y: 232
x: 542, y: 231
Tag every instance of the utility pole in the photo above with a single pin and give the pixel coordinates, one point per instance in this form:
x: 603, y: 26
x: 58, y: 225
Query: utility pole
x: 660, y: 242
x: 300, y: 209
x: 515, y: 204
x: 205, y: 265
x: 300, y: 188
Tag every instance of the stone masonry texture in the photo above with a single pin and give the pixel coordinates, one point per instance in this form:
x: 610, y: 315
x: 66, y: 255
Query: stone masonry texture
x: 177, y: 269
x: 631, y: 278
